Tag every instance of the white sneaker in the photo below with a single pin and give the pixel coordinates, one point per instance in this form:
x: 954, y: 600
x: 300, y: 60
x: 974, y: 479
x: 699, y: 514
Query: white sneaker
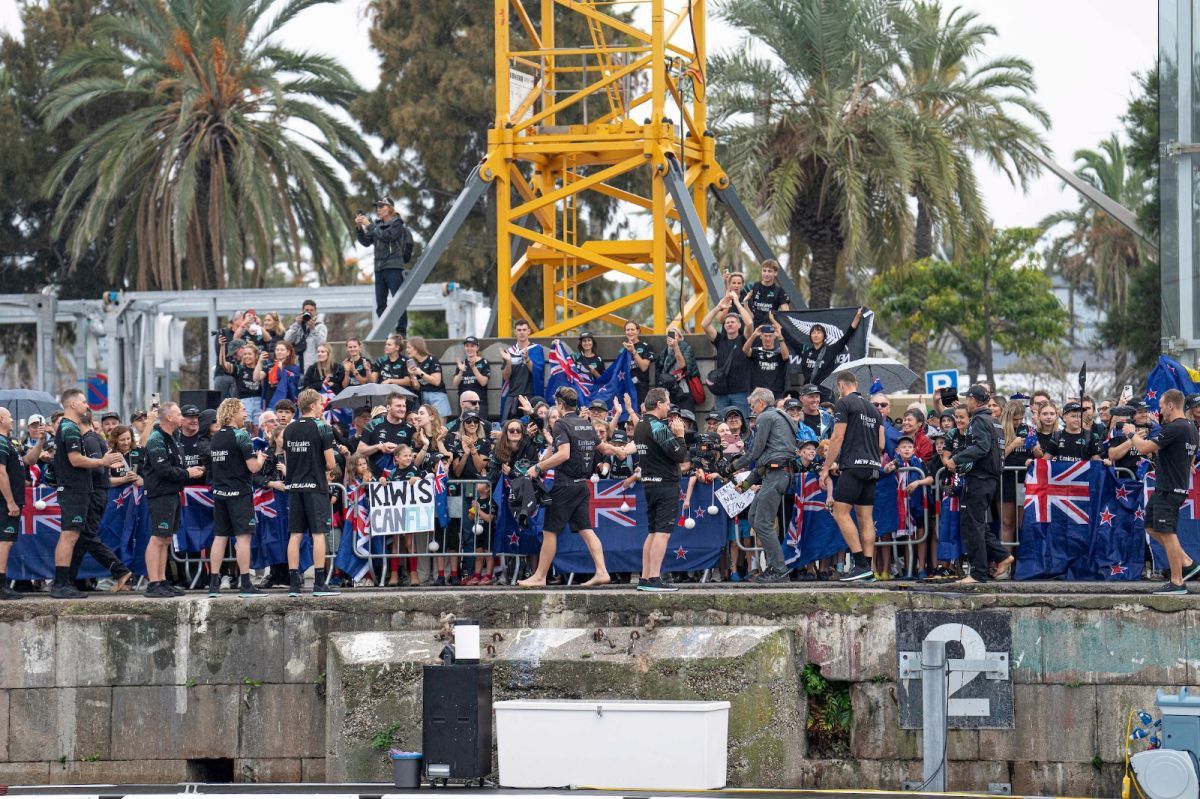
x: 226, y: 583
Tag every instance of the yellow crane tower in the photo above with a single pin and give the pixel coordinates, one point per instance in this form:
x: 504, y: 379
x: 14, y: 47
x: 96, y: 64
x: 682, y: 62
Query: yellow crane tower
x: 589, y: 101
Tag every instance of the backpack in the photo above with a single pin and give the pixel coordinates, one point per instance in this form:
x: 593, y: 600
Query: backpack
x: 406, y: 245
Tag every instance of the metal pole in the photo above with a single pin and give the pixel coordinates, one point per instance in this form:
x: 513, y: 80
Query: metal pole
x: 933, y: 713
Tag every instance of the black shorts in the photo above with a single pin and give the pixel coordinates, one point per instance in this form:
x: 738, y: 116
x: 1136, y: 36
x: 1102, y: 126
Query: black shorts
x: 164, y: 515
x: 855, y: 486
x: 308, y: 512
x: 1009, y: 483
x: 233, y: 515
x: 662, y: 506
x: 74, y: 508
x: 1163, y: 514
x: 10, y: 529
x: 570, y: 504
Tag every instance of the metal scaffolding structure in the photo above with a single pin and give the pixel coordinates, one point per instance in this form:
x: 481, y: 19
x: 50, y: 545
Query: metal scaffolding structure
x: 567, y: 123
x: 133, y: 335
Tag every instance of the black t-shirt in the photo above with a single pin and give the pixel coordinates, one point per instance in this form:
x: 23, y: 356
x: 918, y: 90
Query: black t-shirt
x: 68, y: 439
x: 814, y: 422
x: 312, y: 378
x: 471, y: 383
x: 195, y: 451
x: 768, y: 369
x: 11, y: 456
x: 230, y: 449
x: 483, y: 446
x: 305, y: 442
x: 737, y: 372
x: 380, y: 431
x: 645, y: 351
x: 1019, y: 454
x: 860, y: 444
x: 390, y: 370
x: 818, y: 363
x: 431, y: 366
x: 520, y: 377
x: 578, y: 432
x: 93, y: 447
x: 245, y: 384
x: 590, y: 362
x: 762, y: 301
x: 660, y: 452
x: 1130, y: 461
x: 1173, y: 461
x: 1064, y: 446
x: 358, y: 371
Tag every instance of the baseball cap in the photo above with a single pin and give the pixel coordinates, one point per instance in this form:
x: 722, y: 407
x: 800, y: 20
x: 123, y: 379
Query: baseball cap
x: 619, y: 437
x: 1072, y: 407
x: 902, y: 439
x: 809, y: 389
x: 35, y: 418
x: 1192, y: 402
x: 1138, y: 406
x: 674, y: 410
x: 688, y: 415
x: 1020, y: 396
x: 208, y: 417
x: 713, y: 416
x: 732, y: 410
x: 789, y: 404
x: 384, y: 200
x: 471, y: 416
x: 808, y: 442
x: 471, y: 340
x: 190, y: 410
x: 586, y: 334
x: 978, y: 393
x: 111, y: 415
x: 597, y: 405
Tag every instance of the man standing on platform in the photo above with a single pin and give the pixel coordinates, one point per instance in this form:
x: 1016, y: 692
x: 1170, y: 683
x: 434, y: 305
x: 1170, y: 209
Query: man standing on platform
x: 981, y: 461
x: 14, y: 459
x: 393, y: 248
x: 1174, y: 449
x: 661, y: 449
x: 308, y: 449
x: 574, y: 443
x: 73, y: 475
x: 234, y: 462
x: 854, y: 454
x: 164, y: 476
x: 772, y: 454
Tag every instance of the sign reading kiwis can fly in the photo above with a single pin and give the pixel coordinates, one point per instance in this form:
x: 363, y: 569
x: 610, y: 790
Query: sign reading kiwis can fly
x: 401, y: 506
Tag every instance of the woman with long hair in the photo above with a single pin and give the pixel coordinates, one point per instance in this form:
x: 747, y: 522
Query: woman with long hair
x: 1012, y: 420
x: 273, y: 330
x: 325, y: 374
x: 120, y: 439
x: 430, y: 445
x: 1045, y: 426
x: 280, y: 378
x: 425, y: 375
x: 247, y: 387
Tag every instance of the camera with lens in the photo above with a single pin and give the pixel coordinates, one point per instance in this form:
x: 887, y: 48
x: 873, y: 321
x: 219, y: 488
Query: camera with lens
x: 306, y: 317
x: 708, y: 455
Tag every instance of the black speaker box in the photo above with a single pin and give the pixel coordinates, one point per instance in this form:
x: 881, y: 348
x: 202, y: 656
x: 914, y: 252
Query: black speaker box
x: 456, y: 728
x: 204, y: 400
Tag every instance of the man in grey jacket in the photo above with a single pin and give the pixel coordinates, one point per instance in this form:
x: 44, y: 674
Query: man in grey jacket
x: 773, y: 455
x: 306, y: 334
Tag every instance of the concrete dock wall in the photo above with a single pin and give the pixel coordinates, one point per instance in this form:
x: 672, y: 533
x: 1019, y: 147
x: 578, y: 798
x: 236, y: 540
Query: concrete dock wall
x: 135, y: 690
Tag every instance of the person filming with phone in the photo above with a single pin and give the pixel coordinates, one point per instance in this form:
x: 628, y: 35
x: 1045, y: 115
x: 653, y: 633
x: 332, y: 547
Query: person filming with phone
x: 393, y: 245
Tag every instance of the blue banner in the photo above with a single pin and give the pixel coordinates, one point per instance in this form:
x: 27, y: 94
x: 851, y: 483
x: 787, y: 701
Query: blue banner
x: 1056, y: 527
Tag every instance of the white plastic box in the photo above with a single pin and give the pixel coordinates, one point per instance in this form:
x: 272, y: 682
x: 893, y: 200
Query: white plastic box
x: 608, y: 743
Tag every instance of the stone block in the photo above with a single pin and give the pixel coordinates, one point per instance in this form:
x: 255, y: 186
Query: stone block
x: 1049, y: 718
x: 960, y: 745
x: 235, y: 645
x: 121, y: 649
x: 312, y: 769
x: 51, y: 723
x: 282, y: 721
x: 973, y: 775
x: 25, y: 773
x: 836, y: 774
x: 168, y: 722
x: 875, y: 720
x: 3, y: 726
x: 305, y: 635
x: 1056, y: 779
x: 1113, y: 703
x: 268, y: 770
x: 850, y: 647
x: 374, y: 682
x: 28, y: 657
x: 119, y: 772
x: 1117, y: 645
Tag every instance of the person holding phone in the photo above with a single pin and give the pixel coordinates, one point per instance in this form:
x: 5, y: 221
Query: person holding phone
x: 676, y: 365
x: 768, y: 354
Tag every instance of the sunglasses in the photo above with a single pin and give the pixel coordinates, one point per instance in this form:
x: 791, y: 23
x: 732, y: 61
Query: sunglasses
x: 881, y: 404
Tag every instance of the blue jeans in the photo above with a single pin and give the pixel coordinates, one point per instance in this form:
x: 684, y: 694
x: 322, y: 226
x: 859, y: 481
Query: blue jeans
x: 254, y: 408
x: 387, y: 283
x: 739, y: 401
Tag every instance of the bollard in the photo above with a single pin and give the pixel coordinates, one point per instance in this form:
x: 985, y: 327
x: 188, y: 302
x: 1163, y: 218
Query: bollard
x: 933, y: 711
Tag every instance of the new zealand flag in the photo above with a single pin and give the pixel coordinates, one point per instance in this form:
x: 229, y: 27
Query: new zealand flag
x: 812, y: 534
x: 1056, y: 528
x: 1118, y: 532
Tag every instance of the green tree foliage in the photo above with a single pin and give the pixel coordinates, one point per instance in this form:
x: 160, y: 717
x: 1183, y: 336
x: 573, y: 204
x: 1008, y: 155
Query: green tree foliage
x: 226, y: 156
x: 30, y: 256
x: 1000, y: 297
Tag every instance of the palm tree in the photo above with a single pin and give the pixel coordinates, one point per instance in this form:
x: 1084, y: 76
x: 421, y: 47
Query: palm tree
x: 978, y: 105
x: 814, y: 134
x: 229, y: 156
x: 1096, y: 252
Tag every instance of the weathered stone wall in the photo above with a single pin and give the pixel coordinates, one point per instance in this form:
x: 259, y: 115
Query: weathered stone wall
x: 131, y: 690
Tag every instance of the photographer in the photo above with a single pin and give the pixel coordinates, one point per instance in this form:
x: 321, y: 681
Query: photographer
x: 306, y: 334
x: 768, y: 361
x: 676, y: 366
x: 393, y: 245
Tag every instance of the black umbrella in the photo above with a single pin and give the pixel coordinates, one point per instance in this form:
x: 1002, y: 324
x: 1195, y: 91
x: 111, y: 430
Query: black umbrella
x: 23, y: 403
x: 356, y: 397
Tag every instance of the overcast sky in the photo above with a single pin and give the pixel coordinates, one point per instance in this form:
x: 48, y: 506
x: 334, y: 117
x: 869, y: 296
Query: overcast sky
x: 1084, y: 54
